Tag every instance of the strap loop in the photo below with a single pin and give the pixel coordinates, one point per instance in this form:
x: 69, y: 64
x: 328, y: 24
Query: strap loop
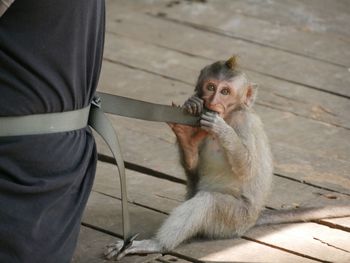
x: 95, y: 117
x: 102, y: 125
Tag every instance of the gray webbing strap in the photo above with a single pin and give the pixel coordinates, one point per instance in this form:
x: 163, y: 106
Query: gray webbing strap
x: 131, y: 108
x: 102, y: 125
x: 4, y: 5
x: 95, y: 117
x: 44, y: 123
x: 143, y: 110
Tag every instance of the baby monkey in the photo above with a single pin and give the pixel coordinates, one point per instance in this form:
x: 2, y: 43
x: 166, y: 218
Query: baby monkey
x: 228, y: 165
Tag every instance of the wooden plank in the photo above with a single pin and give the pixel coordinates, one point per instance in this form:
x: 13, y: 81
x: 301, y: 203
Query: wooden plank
x: 315, y: 16
x: 163, y: 195
x: 143, y: 190
x: 314, y: 143
x: 102, y: 211
x: 302, y: 147
x: 291, y: 67
x: 155, y: 192
x: 92, y: 243
x: 273, y: 93
x: 124, y: 6
x: 310, y: 239
x: 317, y: 143
x: 267, y: 32
x: 290, y: 161
x: 308, y: 167
x: 169, y: 259
x: 237, y: 250
x: 319, y: 138
x: 302, y: 101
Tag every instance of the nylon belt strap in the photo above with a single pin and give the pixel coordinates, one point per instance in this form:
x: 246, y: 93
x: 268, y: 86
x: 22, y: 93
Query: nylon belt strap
x: 78, y: 119
x: 144, y: 110
x: 36, y: 124
x: 94, y: 116
x: 4, y: 5
x: 102, y: 125
x: 131, y: 108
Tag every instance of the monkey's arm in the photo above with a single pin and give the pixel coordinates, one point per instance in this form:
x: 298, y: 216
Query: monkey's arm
x: 237, y: 152
x: 189, y: 139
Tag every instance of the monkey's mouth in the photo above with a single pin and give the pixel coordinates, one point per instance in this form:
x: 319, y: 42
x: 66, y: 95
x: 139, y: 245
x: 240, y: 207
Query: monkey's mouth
x: 219, y: 109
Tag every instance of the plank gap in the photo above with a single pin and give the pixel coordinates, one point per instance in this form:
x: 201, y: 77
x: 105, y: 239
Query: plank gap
x: 224, y: 33
x: 300, y: 83
x: 102, y: 230
x: 300, y: 115
x: 145, y: 70
x: 284, y: 249
x: 310, y: 184
x: 164, y: 176
x: 330, y: 245
x: 332, y: 225
x: 133, y: 202
x: 141, y: 169
x: 150, y: 208
x: 256, y: 71
x: 113, y: 61
x: 175, y: 254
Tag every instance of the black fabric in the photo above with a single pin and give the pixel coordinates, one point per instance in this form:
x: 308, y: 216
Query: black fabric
x: 50, y: 60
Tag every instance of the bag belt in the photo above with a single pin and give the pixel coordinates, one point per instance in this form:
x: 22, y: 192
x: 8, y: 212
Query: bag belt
x: 47, y: 123
x: 143, y: 110
x: 4, y: 5
x: 94, y: 116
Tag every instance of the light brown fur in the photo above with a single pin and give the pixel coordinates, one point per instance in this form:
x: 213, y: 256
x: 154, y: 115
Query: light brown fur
x: 228, y: 164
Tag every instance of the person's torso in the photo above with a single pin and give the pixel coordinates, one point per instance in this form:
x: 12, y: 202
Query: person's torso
x: 50, y: 55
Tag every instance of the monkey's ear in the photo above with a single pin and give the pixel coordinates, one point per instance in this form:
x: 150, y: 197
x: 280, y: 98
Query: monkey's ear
x: 251, y: 93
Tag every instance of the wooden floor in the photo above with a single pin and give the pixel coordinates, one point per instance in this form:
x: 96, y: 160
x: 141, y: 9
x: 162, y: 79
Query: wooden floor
x: 299, y: 54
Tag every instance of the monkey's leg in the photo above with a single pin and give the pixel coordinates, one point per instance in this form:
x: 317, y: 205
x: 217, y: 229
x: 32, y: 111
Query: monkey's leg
x: 184, y: 222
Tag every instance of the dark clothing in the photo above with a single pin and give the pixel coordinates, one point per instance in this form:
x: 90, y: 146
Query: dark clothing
x: 50, y: 60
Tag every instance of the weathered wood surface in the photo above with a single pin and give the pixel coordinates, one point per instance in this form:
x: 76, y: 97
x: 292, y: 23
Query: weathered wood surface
x: 104, y: 212
x: 158, y: 197
x: 307, y: 39
x: 298, y: 52
x: 93, y: 242
x: 184, y: 68
x: 91, y: 246
x: 321, y: 159
x: 265, y: 60
x: 163, y: 195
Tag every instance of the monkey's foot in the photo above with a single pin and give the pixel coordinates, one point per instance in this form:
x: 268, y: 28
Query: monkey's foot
x: 112, y: 250
x: 117, y: 251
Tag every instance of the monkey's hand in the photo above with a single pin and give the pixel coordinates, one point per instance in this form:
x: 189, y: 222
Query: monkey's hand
x: 193, y: 105
x: 213, y: 123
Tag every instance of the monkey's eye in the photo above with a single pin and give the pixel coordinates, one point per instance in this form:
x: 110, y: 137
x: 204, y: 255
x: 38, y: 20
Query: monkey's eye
x: 211, y: 87
x: 225, y: 91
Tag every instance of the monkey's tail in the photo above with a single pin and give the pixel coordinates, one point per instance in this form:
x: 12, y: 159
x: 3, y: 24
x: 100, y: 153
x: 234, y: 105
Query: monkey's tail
x: 270, y: 217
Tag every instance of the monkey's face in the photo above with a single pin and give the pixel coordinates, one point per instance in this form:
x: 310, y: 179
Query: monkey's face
x: 221, y: 96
